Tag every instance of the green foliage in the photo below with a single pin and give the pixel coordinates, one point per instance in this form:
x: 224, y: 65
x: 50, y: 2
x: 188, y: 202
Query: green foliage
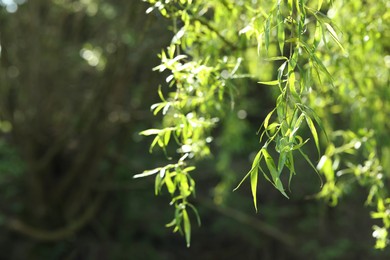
x: 328, y: 73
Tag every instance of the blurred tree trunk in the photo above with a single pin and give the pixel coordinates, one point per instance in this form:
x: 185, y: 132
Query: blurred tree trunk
x: 70, y: 75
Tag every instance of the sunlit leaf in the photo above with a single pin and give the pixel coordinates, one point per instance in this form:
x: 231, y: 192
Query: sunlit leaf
x: 313, y: 131
x: 150, y: 132
x: 276, y: 58
x: 270, y: 83
x: 147, y: 173
x: 334, y: 35
x: 270, y: 165
x: 167, y: 136
x: 169, y: 183
x: 319, y: 4
x: 267, y: 118
x: 254, y: 176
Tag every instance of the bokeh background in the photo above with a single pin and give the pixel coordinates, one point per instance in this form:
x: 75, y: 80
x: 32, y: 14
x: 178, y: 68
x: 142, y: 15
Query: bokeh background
x: 76, y: 86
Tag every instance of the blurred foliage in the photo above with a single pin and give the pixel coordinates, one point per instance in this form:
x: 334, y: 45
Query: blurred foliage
x: 76, y: 85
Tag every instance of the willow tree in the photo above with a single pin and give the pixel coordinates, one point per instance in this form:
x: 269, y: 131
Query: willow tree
x: 326, y: 64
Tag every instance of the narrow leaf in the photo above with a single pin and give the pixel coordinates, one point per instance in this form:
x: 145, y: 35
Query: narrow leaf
x: 187, y: 227
x: 318, y: 34
x: 334, y: 35
x: 155, y: 140
x: 150, y: 132
x: 157, y: 184
x: 167, y: 136
x: 161, y: 95
x: 276, y: 58
x: 279, y: 186
x: 270, y: 165
x: 254, y: 176
x: 313, y: 131
x: 291, y: 167
x: 319, y: 4
x: 196, y: 213
x: 270, y: 83
x: 255, y: 163
x: 146, y: 173
x: 282, y: 161
x: 169, y: 183
x: 312, y: 114
x: 266, y: 120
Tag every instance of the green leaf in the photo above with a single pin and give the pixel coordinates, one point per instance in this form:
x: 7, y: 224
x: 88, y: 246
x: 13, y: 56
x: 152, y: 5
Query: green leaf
x: 188, y: 169
x: 147, y: 173
x: 291, y: 85
x: 279, y: 186
x: 187, y: 227
x: 157, y: 107
x: 169, y: 183
x: 310, y: 112
x: 269, y: 83
x: 157, y: 184
x: 150, y: 132
x: 254, y: 172
x: 334, y: 35
x: 171, y: 50
x: 296, y: 127
x: 281, y: 70
x: 195, y: 212
x: 255, y: 163
x: 161, y: 94
x: 254, y: 177
x: 276, y: 58
x: 282, y: 161
x: 300, y: 143
x: 318, y: 34
x: 290, y: 165
x: 167, y: 136
x: 293, y: 61
x: 319, y: 65
x: 313, y: 131
x: 319, y: 4
x: 155, y: 140
x: 270, y: 165
x: 266, y: 120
